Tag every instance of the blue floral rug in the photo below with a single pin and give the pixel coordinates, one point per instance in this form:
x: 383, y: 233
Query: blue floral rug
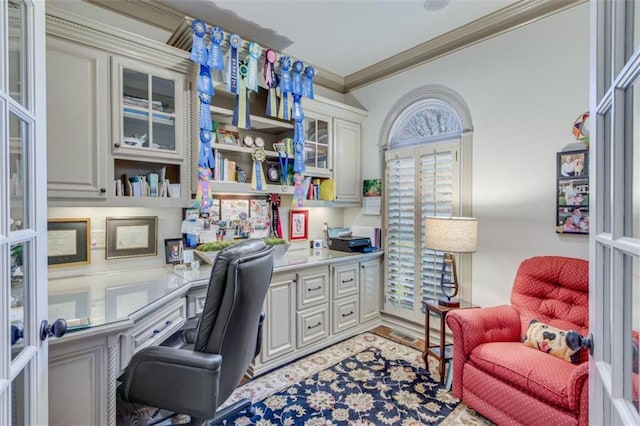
x: 365, y: 380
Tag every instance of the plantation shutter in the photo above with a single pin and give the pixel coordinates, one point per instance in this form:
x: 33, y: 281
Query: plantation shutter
x: 421, y: 182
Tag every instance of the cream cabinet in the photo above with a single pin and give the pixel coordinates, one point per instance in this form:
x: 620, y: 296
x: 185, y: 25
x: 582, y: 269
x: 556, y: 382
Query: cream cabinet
x: 346, y: 172
x: 279, y: 332
x: 370, y: 289
x: 118, y: 113
x: 77, y: 120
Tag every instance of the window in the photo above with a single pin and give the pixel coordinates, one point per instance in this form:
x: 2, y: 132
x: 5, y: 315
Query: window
x: 424, y: 178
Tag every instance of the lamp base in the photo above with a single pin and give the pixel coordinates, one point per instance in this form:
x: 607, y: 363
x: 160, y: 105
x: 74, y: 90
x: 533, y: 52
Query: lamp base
x: 449, y: 302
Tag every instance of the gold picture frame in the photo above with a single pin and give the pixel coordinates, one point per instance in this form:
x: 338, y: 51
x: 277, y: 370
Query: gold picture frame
x: 131, y: 237
x: 68, y: 242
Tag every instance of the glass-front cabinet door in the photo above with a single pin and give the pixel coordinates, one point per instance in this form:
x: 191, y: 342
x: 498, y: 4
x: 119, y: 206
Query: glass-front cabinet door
x: 148, y: 110
x: 317, y: 148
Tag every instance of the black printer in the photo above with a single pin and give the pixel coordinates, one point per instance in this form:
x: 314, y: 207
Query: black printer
x: 351, y: 243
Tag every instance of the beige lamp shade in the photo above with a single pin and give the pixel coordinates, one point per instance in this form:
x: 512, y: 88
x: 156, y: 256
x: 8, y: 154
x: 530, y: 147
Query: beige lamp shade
x: 451, y: 234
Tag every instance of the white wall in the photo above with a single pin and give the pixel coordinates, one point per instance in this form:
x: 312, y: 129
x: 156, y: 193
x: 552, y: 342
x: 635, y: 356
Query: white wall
x: 524, y: 90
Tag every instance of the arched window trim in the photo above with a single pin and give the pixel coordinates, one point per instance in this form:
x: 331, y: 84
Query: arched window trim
x: 428, y: 94
x: 408, y: 115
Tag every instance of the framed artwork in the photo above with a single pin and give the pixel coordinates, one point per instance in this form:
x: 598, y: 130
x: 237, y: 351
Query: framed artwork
x: 572, y: 192
x: 298, y: 224
x: 173, y: 251
x: 68, y: 242
x: 228, y: 137
x: 131, y: 237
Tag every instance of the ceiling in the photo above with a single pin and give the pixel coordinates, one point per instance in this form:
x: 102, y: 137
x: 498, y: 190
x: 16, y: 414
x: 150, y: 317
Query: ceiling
x: 350, y: 42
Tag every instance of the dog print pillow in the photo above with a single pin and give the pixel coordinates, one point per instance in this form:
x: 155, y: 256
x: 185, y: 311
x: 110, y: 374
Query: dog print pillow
x: 554, y: 341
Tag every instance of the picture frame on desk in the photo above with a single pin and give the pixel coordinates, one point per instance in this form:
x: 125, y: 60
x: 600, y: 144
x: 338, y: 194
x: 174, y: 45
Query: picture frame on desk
x: 173, y: 251
x: 131, y: 237
x: 298, y: 225
x: 68, y: 242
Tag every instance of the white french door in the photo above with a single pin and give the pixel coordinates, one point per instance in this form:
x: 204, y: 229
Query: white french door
x: 614, y: 245
x: 23, y: 213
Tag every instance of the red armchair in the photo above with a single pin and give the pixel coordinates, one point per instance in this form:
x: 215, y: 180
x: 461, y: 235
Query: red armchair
x: 508, y: 382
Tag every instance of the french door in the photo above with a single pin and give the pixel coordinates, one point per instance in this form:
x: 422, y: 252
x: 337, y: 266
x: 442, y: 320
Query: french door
x: 23, y: 213
x: 614, y: 244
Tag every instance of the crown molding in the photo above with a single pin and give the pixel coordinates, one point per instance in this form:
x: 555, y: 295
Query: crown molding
x: 148, y: 11
x: 499, y: 22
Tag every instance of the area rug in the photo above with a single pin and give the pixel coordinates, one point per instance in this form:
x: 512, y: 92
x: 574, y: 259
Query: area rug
x: 365, y: 380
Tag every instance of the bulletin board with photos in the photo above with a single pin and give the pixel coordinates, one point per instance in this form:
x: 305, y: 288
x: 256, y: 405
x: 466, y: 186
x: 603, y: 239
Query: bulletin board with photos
x: 572, y: 197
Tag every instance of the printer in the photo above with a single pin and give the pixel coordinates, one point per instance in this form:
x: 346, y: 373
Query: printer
x: 351, y: 243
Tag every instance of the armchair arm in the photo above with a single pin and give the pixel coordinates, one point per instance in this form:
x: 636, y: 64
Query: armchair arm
x: 472, y: 327
x: 154, y: 371
x: 578, y: 388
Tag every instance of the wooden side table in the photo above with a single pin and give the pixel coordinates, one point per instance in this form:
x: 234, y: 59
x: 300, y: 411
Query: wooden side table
x: 444, y: 351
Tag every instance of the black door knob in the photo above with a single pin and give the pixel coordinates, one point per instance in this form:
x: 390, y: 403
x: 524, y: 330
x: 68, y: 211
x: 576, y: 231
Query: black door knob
x: 57, y: 329
x: 16, y: 335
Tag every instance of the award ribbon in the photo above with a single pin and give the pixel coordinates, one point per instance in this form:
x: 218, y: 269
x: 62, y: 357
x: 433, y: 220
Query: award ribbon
x: 215, y: 60
x: 241, y: 111
x: 205, y: 84
x: 198, y: 47
x: 298, y: 192
x: 232, y: 71
x: 203, y: 193
x: 205, y: 158
x: 285, y: 87
x: 309, y: 73
x: 271, y: 80
x: 298, y: 147
x: 254, y: 54
x: 205, y: 113
x: 296, y: 113
x: 276, y: 228
x: 257, y: 174
x: 283, y: 158
x: 298, y: 67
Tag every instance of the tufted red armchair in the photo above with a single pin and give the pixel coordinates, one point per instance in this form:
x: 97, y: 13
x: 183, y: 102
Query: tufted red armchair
x: 507, y: 382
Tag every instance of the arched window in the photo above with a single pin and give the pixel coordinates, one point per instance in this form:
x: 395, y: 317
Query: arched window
x: 427, y: 137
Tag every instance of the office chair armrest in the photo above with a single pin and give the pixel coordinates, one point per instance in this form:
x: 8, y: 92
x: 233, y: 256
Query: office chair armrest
x: 155, y: 373
x: 259, y: 340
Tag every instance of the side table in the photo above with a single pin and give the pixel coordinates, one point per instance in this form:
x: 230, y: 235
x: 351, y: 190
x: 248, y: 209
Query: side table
x: 444, y: 351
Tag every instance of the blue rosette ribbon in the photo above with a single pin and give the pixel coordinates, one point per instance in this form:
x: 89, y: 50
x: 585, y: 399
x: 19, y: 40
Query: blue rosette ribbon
x: 298, y: 148
x: 205, y: 158
x: 232, y: 70
x: 254, y: 54
x: 257, y: 174
x: 199, y: 47
x: 216, y: 60
x: 271, y: 80
x: 285, y: 87
x: 298, y: 67
x: 309, y: 73
x: 205, y: 113
x: 296, y: 113
x: 241, y: 116
x: 205, y: 84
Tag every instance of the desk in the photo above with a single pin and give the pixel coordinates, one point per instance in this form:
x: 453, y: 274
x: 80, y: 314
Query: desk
x: 444, y: 351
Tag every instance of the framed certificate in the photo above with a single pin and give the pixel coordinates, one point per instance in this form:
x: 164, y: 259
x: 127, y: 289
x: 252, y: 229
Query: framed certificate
x: 131, y: 237
x: 68, y: 242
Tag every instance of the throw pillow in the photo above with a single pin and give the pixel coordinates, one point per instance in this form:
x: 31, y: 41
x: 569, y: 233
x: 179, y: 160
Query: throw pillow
x: 554, y: 341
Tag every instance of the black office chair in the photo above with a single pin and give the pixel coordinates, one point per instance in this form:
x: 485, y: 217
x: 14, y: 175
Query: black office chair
x: 196, y: 378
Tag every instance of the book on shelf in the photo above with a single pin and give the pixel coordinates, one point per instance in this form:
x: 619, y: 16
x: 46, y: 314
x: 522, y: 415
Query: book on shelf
x: 174, y: 190
x: 152, y: 181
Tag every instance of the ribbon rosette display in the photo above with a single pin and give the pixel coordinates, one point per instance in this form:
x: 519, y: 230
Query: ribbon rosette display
x: 257, y: 174
x: 232, y: 71
x: 199, y: 48
x: 285, y: 87
x: 271, y: 80
x: 276, y: 228
x: 241, y: 111
x: 309, y: 73
x: 215, y: 60
x: 254, y: 54
x: 298, y: 67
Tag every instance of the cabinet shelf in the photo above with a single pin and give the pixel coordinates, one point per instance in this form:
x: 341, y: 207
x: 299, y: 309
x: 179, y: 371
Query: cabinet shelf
x: 143, y: 115
x: 258, y: 123
x: 226, y: 187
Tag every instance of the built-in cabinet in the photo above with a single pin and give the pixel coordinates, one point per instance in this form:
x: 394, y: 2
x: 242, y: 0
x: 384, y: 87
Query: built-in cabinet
x: 117, y: 112
x: 77, y: 120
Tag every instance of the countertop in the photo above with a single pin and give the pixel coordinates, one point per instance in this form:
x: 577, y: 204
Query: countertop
x: 108, y: 298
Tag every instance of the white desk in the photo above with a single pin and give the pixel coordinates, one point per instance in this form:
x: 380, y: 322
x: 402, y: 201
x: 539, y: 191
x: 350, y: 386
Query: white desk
x: 128, y: 311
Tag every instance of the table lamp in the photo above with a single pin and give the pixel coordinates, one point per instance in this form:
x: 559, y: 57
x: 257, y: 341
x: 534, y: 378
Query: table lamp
x: 450, y: 235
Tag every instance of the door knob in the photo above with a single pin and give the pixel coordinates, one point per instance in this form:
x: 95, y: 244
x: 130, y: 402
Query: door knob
x: 16, y: 334
x: 587, y: 342
x: 57, y: 329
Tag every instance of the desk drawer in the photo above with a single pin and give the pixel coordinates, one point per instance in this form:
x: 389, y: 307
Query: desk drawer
x: 153, y: 330
x: 313, y: 287
x: 345, y: 313
x: 345, y: 280
x: 313, y: 325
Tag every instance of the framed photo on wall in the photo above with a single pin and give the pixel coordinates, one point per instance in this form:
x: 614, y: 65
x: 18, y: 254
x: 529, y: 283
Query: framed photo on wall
x: 298, y: 225
x: 131, y: 237
x: 68, y: 242
x: 572, y: 196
